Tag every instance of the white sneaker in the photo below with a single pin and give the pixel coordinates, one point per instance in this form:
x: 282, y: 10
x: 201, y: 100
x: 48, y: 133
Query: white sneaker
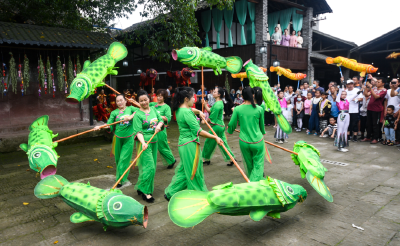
x: 286, y: 141
x: 343, y: 150
x: 280, y: 141
x: 325, y: 136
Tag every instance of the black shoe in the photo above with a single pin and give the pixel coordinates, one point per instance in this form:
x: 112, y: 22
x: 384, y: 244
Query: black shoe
x: 119, y: 185
x: 149, y: 200
x: 139, y: 193
x: 166, y: 198
x: 172, y: 165
x: 230, y: 164
x: 206, y: 162
x: 355, y: 139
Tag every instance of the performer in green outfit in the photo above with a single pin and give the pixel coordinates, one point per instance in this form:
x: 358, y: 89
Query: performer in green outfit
x: 147, y: 121
x: 251, y: 140
x: 123, y: 145
x: 165, y: 111
x: 189, y: 173
x: 217, y: 121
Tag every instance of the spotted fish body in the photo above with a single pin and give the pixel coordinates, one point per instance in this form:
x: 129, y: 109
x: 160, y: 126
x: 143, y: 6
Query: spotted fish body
x: 352, y: 65
x: 42, y: 156
x: 197, y: 58
x: 93, y: 74
x: 307, y: 159
x: 288, y: 73
x: 257, y: 199
x: 111, y: 208
x: 394, y: 55
x: 258, y: 78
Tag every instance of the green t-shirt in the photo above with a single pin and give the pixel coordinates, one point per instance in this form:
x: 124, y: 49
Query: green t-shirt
x: 251, y: 123
x: 217, y: 114
x: 163, y: 110
x: 189, y: 127
x: 123, y: 129
x: 146, y: 123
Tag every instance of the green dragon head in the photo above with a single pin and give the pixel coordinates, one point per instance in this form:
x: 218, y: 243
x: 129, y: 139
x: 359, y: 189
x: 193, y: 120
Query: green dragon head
x: 81, y: 88
x: 187, y: 55
x: 287, y: 193
x: 42, y: 159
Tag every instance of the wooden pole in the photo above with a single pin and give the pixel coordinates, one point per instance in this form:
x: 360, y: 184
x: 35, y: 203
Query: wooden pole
x: 202, y: 89
x: 129, y: 99
x: 72, y: 136
x: 230, y: 156
x: 279, y: 147
x: 133, y: 162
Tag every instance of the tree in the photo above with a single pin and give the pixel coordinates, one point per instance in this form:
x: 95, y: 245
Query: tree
x: 172, y: 25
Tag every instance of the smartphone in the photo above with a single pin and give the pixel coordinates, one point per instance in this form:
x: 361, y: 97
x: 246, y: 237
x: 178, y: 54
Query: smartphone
x: 392, y: 82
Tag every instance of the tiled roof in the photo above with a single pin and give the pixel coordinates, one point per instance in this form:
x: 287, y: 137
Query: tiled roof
x: 335, y: 38
x: 13, y: 33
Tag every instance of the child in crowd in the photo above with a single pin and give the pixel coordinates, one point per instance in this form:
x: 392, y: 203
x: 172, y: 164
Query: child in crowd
x: 279, y: 134
x: 290, y: 112
x: 389, y: 126
x: 299, y: 112
x: 363, y: 115
x: 314, y: 117
x: 324, y: 111
x: 330, y: 129
x: 238, y: 100
x: 307, y: 111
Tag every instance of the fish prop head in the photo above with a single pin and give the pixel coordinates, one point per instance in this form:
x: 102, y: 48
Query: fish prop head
x: 43, y: 160
x: 120, y: 210
x: 81, y: 88
x: 287, y: 193
x: 187, y: 73
x: 187, y: 55
x: 300, y: 76
x: 371, y: 69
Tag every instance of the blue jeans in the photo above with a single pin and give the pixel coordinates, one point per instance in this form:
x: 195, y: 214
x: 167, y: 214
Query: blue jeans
x: 389, y: 134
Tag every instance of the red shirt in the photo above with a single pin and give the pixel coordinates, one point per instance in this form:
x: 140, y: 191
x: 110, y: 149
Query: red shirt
x: 376, y: 105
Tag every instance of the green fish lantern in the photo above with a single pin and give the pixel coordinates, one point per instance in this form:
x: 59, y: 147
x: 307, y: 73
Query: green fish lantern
x: 266, y: 197
x: 42, y: 156
x: 310, y: 166
x: 111, y: 208
x: 93, y: 74
x: 258, y: 78
x: 196, y: 58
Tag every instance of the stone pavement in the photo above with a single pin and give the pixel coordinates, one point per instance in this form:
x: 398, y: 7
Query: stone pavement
x: 365, y: 192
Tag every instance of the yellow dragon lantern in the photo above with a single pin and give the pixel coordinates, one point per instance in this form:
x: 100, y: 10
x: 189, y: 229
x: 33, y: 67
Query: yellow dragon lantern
x: 288, y: 73
x: 352, y: 65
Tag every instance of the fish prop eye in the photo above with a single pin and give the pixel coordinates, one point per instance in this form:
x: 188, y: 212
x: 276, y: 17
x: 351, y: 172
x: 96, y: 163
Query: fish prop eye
x: 117, y: 206
x: 79, y: 84
x: 37, y: 155
x: 290, y: 190
x: 190, y: 52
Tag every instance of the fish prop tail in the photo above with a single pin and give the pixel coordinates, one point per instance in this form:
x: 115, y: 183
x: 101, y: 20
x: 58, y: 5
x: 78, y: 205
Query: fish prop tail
x: 50, y: 186
x: 283, y: 123
x: 329, y: 60
x: 41, y: 121
x: 320, y: 186
x: 117, y: 51
x: 267, y: 154
x: 112, y: 153
x: 234, y: 64
x: 196, y: 161
x: 189, y: 207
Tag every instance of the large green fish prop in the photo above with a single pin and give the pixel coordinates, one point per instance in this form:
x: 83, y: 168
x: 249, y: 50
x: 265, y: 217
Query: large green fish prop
x: 310, y: 167
x: 42, y: 156
x: 258, y: 78
x: 111, y: 208
x: 266, y: 197
x: 204, y: 57
x: 93, y: 74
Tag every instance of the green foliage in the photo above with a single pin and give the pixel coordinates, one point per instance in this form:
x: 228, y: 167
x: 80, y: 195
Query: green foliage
x: 41, y: 73
x: 228, y: 88
x: 70, y: 75
x: 26, y: 73
x: 78, y: 65
x: 60, y: 79
x: 48, y: 71
x: 172, y: 25
x: 13, y: 74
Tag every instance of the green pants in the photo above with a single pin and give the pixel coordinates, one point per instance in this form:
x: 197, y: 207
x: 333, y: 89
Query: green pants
x: 253, y: 155
x: 123, y: 149
x: 164, y: 149
x: 190, y: 156
x: 147, y: 168
x: 211, y: 144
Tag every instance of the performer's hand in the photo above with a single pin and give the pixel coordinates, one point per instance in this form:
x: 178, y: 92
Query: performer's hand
x: 201, y: 114
x: 144, y: 146
x: 96, y: 128
x: 370, y: 76
x: 219, y: 141
x: 341, y: 79
x: 158, y: 129
x: 203, y: 101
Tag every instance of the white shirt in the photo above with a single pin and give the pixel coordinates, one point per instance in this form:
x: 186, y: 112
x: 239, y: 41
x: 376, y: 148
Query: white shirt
x: 304, y: 93
x: 395, y: 101
x: 353, y: 107
x: 239, y: 92
x: 169, y: 93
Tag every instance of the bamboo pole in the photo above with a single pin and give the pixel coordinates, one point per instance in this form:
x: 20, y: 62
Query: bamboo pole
x: 202, y: 89
x: 133, y: 162
x: 72, y: 136
x: 230, y: 156
x: 277, y: 146
x: 129, y: 99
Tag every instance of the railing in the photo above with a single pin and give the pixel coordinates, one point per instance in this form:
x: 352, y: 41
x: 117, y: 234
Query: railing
x: 290, y: 57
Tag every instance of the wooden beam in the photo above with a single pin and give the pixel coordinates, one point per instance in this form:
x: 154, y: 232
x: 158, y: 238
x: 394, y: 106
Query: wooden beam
x: 323, y: 51
x: 381, y: 51
x: 290, y: 4
x: 300, y: 12
x: 252, y: 1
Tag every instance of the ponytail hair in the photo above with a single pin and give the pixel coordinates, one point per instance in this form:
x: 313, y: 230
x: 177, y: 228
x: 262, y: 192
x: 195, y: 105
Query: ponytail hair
x: 258, y: 95
x: 224, y: 93
x: 180, y: 94
x: 247, y: 94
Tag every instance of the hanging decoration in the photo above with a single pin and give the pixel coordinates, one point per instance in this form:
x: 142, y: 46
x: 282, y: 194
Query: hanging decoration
x: 227, y: 87
x: 54, y: 84
x: 20, y: 75
x: 48, y: 73
x: 78, y: 65
x: 70, y: 75
x: 45, y: 79
x: 13, y: 73
x: 41, y: 77
x: 60, y: 79
x: 26, y: 73
x: 65, y: 78
x: 38, y: 70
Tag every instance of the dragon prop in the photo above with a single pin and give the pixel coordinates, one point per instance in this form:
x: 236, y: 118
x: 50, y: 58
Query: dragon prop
x: 266, y: 197
x: 93, y: 74
x: 352, y: 65
x: 42, y: 156
x: 181, y: 77
x: 111, y: 208
x: 288, y: 73
x: 148, y: 78
x: 197, y: 58
x: 311, y: 167
x: 258, y: 78
x: 243, y: 75
x: 394, y: 55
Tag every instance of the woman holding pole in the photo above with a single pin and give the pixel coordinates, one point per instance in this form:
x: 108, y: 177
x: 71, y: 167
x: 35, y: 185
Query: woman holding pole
x: 251, y: 140
x: 189, y: 173
x: 165, y: 111
x: 123, y: 136
x: 217, y: 121
x: 147, y: 121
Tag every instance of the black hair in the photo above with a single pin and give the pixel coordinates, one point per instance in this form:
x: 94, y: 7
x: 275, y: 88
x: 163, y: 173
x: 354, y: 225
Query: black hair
x: 356, y: 77
x: 305, y: 82
x: 332, y: 118
x: 120, y: 95
x: 169, y: 86
x: 318, y: 92
x: 248, y: 95
x: 180, y: 94
x: 224, y: 93
x: 163, y: 93
x: 142, y: 93
x: 316, y: 81
x: 258, y: 95
x: 391, y: 107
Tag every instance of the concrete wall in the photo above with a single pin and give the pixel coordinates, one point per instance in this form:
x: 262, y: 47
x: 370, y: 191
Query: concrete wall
x: 307, y: 41
x: 261, y: 23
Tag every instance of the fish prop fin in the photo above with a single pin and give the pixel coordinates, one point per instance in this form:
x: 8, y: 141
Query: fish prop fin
x: 234, y: 64
x: 196, y: 161
x: 41, y: 121
x: 24, y: 147
x: 50, y: 186
x: 86, y: 64
x: 289, y: 70
x: 260, y: 77
x: 267, y: 154
x: 112, y: 153
x: 223, y: 186
x: 54, y: 135
x: 189, y: 207
x: 353, y: 60
x: 208, y: 48
x: 320, y: 186
x: 79, y: 218
x: 302, y: 173
x: 111, y: 71
x: 55, y: 144
x: 257, y: 215
x: 275, y: 215
x: 117, y: 51
x: 362, y: 74
x: 283, y: 123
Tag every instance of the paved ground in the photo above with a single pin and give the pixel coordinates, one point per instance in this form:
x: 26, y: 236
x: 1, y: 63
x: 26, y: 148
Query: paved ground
x: 366, y: 193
